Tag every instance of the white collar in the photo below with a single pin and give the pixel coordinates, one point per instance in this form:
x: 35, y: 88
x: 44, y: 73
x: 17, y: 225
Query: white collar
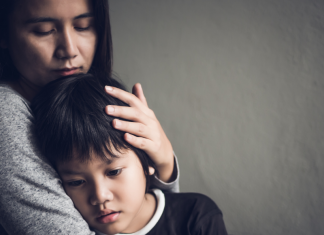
x: 160, y: 201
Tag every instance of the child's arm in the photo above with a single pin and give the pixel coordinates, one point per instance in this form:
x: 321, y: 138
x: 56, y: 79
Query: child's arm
x: 146, y: 133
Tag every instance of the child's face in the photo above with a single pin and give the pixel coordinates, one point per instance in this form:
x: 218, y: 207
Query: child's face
x: 109, y: 195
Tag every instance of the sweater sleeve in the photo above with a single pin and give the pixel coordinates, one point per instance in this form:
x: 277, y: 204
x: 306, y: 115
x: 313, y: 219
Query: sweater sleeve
x: 173, y: 186
x: 32, y: 200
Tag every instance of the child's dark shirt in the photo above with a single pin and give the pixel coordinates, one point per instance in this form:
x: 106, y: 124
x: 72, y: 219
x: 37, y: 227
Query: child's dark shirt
x: 189, y: 214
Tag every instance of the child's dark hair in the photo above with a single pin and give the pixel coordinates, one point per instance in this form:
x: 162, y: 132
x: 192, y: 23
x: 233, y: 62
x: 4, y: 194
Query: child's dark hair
x: 70, y: 119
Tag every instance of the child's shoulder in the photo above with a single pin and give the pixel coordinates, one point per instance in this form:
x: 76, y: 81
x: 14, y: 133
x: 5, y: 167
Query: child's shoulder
x: 186, y: 197
x: 190, y: 213
x: 191, y: 201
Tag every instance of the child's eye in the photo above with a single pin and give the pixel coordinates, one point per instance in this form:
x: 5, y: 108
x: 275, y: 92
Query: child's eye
x: 114, y: 172
x: 76, y: 183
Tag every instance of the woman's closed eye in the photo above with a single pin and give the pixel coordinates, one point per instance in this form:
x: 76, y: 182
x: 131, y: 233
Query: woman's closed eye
x: 44, y: 33
x: 75, y: 183
x: 43, y: 28
x: 83, y: 24
x: 80, y: 29
x: 114, y: 172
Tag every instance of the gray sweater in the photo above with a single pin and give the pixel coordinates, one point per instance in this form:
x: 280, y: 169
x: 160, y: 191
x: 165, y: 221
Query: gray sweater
x: 32, y: 200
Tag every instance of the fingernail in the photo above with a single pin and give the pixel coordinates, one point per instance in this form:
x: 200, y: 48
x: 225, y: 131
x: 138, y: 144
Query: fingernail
x: 108, y: 88
x: 111, y: 109
x: 129, y: 137
x: 117, y: 123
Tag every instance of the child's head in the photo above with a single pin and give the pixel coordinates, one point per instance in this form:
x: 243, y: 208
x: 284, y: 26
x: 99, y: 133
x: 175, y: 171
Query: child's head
x: 100, y: 171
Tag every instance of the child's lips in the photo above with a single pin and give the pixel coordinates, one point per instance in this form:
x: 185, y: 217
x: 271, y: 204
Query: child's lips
x: 108, y: 216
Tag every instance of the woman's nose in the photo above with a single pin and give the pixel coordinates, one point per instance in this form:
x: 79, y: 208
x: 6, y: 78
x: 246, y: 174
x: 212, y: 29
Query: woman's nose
x: 66, y: 45
x: 100, y: 195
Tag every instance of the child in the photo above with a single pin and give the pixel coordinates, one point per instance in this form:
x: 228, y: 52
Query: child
x: 107, y: 178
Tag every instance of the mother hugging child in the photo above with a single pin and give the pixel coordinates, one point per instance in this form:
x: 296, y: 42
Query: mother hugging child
x: 47, y: 40
x: 106, y: 177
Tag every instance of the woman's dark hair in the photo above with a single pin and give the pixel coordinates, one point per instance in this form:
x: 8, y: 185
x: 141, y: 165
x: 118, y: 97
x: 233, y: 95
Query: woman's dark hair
x: 102, y: 62
x: 70, y: 122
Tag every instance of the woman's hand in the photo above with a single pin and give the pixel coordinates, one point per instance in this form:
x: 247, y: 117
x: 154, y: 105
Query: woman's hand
x: 150, y: 136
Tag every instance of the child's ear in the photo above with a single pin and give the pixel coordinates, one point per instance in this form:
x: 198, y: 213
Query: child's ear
x: 151, y: 170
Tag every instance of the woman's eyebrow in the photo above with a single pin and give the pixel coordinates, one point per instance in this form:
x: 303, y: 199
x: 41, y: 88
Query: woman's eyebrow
x: 50, y: 19
x: 85, y: 15
x: 40, y: 20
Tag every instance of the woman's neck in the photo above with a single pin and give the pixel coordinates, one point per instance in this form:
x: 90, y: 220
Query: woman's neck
x: 25, y: 88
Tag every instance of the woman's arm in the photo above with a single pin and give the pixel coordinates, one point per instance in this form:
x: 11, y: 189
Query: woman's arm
x: 173, y: 185
x: 32, y: 201
x: 146, y: 133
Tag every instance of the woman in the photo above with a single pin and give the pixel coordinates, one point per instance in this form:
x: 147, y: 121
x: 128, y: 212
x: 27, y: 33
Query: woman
x: 42, y: 40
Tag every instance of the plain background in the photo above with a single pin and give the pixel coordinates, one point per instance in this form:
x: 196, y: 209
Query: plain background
x: 238, y: 87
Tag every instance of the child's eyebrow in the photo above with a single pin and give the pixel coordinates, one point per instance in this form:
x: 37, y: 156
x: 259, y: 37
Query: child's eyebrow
x: 72, y: 172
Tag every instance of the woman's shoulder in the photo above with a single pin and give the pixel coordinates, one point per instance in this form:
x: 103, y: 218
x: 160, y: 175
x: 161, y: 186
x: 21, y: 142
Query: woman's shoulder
x: 8, y: 94
x: 16, y: 117
x: 11, y: 103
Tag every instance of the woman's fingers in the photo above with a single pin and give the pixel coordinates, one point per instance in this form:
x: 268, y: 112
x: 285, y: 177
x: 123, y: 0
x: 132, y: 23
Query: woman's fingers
x: 125, y: 96
x: 129, y: 113
x: 139, y: 142
x: 138, y: 92
x: 134, y: 128
x: 145, y: 131
x: 130, y: 99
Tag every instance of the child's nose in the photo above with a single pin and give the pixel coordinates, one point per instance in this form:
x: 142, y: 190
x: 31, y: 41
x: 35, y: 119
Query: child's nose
x: 101, y: 194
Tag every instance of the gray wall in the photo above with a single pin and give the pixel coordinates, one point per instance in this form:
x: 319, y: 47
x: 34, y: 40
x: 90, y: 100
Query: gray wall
x: 238, y: 87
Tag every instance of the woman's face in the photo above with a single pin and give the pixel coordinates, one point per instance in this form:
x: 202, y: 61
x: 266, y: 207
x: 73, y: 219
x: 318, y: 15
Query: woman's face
x: 49, y: 39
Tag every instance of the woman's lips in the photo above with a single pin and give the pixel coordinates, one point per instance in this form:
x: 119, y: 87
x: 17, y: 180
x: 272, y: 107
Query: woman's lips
x: 67, y: 71
x: 112, y: 217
